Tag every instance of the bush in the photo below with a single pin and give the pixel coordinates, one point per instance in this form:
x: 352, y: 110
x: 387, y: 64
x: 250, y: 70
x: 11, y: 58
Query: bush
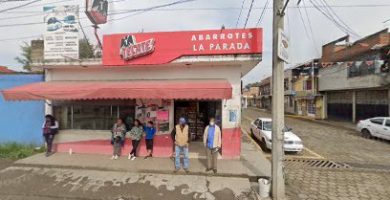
x: 18, y: 151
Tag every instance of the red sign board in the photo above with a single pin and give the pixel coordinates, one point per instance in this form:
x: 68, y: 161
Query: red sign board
x: 164, y: 47
x: 96, y: 10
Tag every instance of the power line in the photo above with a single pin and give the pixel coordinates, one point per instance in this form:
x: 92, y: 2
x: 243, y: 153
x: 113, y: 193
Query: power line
x: 303, y: 22
x: 249, y: 13
x: 311, y: 29
x: 239, y: 16
x: 20, y: 6
x: 262, y: 13
x: 238, y: 8
x: 341, y: 27
x: 331, y: 10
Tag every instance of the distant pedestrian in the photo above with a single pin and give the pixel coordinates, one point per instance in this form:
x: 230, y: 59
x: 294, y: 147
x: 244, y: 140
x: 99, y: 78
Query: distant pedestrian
x: 150, y: 131
x: 49, y: 129
x: 181, y: 133
x: 135, y: 134
x: 212, y: 142
x: 118, y: 137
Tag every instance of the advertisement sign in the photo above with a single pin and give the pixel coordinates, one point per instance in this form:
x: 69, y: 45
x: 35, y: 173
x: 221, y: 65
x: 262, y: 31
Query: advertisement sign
x: 61, y: 37
x: 164, y: 47
x: 283, y: 46
x: 96, y: 10
x: 155, y: 110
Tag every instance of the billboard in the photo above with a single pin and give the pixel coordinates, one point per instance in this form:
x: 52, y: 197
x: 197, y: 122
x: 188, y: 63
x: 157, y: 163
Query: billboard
x: 61, y: 37
x: 96, y: 11
x: 164, y: 47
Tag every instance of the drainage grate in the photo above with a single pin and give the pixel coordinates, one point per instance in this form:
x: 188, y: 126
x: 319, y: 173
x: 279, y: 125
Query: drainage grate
x: 327, y: 164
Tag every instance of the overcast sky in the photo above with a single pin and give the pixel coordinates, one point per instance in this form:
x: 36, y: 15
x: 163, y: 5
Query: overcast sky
x: 360, y: 15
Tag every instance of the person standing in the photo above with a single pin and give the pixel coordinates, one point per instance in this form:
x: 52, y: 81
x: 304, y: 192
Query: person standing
x: 49, y: 129
x: 150, y: 131
x: 117, y: 138
x: 181, y: 133
x: 135, y: 134
x: 212, y: 142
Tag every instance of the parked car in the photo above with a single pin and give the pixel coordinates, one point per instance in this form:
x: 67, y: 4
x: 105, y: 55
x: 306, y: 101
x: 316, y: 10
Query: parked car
x: 375, y: 127
x: 53, y: 24
x: 261, y: 128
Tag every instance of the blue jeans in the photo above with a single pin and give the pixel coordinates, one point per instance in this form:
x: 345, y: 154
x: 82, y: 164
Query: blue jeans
x: 179, y: 150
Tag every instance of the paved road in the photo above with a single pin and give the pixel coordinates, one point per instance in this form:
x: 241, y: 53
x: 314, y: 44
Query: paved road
x: 336, y: 144
x: 365, y: 181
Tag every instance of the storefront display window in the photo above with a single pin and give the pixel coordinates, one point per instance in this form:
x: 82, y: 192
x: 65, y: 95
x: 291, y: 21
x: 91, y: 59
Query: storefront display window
x: 92, y: 116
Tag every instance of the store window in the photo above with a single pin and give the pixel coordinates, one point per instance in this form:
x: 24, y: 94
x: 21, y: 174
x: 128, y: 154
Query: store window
x: 92, y: 116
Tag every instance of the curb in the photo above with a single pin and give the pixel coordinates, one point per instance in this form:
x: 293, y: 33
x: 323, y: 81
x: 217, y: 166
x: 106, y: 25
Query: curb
x: 166, y: 172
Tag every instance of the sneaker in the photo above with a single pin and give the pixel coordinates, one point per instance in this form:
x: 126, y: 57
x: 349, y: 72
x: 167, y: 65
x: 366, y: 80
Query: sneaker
x: 187, y: 171
x: 130, y: 156
x: 146, y: 157
x: 113, y: 157
x: 215, y: 171
x: 133, y: 158
x: 176, y: 170
x: 116, y: 157
x: 208, y: 169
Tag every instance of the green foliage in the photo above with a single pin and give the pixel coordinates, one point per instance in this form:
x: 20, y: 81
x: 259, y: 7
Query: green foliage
x: 86, y: 50
x: 17, y: 151
x: 25, y: 58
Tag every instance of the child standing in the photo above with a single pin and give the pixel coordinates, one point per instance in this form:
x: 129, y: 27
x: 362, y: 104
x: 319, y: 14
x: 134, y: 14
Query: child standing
x: 118, y: 135
x: 150, y: 131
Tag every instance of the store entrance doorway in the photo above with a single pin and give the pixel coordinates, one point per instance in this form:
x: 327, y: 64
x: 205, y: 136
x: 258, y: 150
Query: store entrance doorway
x: 197, y: 115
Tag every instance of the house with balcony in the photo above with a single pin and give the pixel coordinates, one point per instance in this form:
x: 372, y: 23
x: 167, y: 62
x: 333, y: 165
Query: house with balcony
x: 265, y: 98
x: 307, y: 100
x: 354, y: 77
x: 289, y: 104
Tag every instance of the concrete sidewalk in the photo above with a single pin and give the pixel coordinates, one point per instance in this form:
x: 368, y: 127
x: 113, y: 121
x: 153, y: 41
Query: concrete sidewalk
x: 252, y: 163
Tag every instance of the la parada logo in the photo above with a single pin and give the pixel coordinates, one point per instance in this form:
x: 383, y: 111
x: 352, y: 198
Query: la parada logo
x: 130, y: 49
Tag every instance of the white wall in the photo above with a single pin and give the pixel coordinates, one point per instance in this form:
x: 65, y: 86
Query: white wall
x: 336, y: 78
x: 229, y: 73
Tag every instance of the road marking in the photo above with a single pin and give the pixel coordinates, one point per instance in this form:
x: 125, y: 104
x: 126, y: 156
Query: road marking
x: 317, y: 156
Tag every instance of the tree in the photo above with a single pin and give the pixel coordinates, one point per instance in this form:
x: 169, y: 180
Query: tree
x: 25, y: 58
x: 86, y: 50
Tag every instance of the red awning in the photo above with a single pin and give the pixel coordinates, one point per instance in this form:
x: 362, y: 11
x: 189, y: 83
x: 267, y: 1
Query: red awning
x: 90, y: 90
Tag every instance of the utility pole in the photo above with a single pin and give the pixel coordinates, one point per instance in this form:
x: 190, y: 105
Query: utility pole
x: 278, y: 187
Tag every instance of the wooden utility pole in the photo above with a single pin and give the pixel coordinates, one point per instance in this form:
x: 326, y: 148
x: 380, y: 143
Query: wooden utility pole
x: 278, y: 187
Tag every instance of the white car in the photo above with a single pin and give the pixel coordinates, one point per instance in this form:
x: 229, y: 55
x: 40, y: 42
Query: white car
x: 261, y: 128
x: 377, y: 127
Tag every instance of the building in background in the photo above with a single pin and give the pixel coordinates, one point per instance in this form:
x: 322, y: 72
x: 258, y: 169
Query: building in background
x: 307, y: 99
x: 265, y: 97
x: 354, y: 77
x: 289, y: 93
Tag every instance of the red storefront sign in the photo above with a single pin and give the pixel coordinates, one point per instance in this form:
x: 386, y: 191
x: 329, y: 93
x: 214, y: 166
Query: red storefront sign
x: 164, y: 47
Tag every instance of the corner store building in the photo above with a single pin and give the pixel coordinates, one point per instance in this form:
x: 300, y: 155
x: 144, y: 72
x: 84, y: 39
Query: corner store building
x: 150, y: 76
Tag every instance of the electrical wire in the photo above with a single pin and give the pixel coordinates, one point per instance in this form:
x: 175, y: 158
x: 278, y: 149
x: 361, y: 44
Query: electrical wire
x: 338, y: 17
x: 249, y: 13
x: 262, y: 13
x: 311, y: 30
x: 303, y: 22
x: 20, y: 6
x: 239, y: 16
x: 342, y: 28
